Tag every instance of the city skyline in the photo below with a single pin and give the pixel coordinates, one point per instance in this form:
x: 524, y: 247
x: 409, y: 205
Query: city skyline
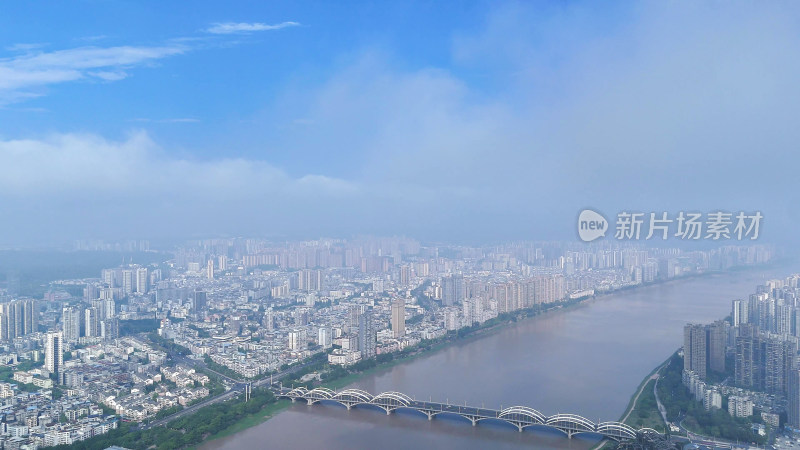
x: 223, y: 320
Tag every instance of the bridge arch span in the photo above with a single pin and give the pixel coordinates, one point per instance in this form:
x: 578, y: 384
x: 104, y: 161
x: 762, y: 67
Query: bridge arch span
x: 392, y: 400
x: 616, y: 430
x: 318, y: 395
x: 296, y: 393
x: 522, y: 413
x: 322, y: 392
x: 351, y: 397
x: 571, y: 423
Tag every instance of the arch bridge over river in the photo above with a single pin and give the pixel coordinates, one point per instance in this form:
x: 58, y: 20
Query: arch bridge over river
x: 519, y: 416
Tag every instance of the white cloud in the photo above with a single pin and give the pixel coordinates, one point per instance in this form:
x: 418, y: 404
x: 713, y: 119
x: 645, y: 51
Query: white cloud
x: 21, y: 76
x: 83, y: 165
x: 109, y: 75
x: 70, y: 185
x: 25, y: 47
x: 26, y: 74
x: 542, y: 116
x: 242, y: 27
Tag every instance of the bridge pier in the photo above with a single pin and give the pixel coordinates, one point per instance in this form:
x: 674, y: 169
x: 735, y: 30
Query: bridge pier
x: 427, y: 412
x: 310, y: 402
x: 519, y: 425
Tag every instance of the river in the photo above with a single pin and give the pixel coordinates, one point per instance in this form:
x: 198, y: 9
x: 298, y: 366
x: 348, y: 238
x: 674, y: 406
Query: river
x: 585, y: 360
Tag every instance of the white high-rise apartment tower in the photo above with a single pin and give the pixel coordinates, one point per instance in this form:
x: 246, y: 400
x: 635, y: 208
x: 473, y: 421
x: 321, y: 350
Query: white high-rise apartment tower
x: 54, y: 352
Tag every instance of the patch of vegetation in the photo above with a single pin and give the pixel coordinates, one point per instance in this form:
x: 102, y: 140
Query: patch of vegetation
x: 7, y: 372
x: 184, y: 432
x: 129, y: 327
x: 201, y: 333
x: 167, y: 345
x: 216, y: 367
x: 677, y: 400
x: 423, y: 300
x: 645, y: 413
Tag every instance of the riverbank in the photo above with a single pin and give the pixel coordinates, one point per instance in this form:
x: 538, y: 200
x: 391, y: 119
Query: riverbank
x: 261, y: 416
x: 644, y: 403
x: 275, y: 408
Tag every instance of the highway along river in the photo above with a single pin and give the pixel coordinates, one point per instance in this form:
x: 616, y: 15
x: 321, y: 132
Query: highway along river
x: 585, y: 360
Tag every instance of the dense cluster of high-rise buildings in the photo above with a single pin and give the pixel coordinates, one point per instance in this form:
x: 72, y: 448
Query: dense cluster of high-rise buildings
x: 704, y: 347
x: 761, y: 337
x: 18, y: 318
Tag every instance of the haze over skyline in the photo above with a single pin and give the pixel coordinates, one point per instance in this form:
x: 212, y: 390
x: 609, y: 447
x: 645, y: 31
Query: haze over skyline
x: 499, y: 122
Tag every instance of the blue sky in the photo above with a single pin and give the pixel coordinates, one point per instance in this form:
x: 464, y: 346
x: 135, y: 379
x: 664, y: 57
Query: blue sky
x: 441, y: 120
x: 221, y: 79
x: 202, y: 89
